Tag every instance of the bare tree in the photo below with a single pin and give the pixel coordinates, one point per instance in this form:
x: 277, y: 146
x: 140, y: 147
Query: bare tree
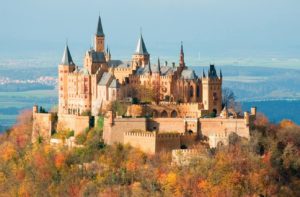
x: 228, y: 98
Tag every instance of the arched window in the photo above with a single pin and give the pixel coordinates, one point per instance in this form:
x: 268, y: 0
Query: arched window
x: 198, y: 91
x: 164, y: 114
x: 174, y: 114
x: 190, y: 131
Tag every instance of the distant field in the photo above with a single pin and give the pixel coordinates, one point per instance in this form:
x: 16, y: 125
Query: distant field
x: 33, y: 93
x: 12, y: 103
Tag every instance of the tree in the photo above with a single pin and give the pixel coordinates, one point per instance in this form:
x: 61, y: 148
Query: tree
x: 118, y: 107
x: 228, y: 98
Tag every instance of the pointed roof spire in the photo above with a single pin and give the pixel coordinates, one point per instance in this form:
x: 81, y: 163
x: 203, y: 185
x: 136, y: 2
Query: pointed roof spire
x: 158, y: 66
x: 99, y: 31
x: 148, y: 68
x: 221, y: 75
x: 141, y: 47
x: 181, y: 61
x: 203, y: 75
x: 212, y: 73
x: 67, y: 58
x: 181, y: 48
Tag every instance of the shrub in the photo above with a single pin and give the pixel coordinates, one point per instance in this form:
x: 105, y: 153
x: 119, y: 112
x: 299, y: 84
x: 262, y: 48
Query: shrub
x: 86, y: 113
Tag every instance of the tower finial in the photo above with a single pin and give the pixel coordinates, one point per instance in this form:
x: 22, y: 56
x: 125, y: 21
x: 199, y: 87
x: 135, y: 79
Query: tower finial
x: 181, y: 61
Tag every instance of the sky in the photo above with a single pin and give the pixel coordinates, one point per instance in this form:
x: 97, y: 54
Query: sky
x: 252, y: 32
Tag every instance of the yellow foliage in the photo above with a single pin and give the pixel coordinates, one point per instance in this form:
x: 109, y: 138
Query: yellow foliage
x: 7, y: 151
x: 136, y: 110
x: 171, y: 179
x: 2, y: 178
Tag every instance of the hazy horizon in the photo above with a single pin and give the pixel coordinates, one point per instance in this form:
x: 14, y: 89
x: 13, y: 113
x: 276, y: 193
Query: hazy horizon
x: 223, y: 32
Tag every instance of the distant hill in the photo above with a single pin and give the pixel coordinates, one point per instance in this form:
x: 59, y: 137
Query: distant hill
x: 260, y: 83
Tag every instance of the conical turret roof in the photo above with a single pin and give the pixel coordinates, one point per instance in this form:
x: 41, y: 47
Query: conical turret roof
x: 141, y: 47
x: 67, y: 58
x: 99, y: 31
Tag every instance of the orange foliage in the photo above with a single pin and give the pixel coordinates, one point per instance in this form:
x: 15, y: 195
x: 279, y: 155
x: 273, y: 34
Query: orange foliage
x: 286, y: 124
x: 261, y: 120
x: 59, y: 160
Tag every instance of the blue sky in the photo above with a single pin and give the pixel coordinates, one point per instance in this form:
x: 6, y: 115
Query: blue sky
x: 250, y: 32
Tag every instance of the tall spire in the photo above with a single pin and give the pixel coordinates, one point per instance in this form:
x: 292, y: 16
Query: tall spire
x: 148, y: 68
x: 203, y: 75
x: 181, y: 61
x: 141, y: 47
x: 158, y: 66
x: 67, y: 58
x: 99, y: 31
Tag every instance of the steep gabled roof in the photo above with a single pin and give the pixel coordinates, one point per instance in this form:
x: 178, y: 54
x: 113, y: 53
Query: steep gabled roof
x: 67, y: 58
x: 212, y: 73
x: 141, y: 47
x: 114, y: 84
x: 99, y: 31
x: 105, y: 78
x: 188, y: 74
x: 97, y: 57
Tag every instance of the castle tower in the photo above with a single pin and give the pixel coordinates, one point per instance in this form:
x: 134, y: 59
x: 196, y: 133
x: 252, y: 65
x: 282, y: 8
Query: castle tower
x: 141, y: 55
x: 65, y: 67
x: 99, y: 38
x: 181, y: 60
x: 212, y: 91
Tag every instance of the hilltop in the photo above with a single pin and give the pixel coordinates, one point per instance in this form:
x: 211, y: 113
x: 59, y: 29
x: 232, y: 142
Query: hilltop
x: 265, y: 165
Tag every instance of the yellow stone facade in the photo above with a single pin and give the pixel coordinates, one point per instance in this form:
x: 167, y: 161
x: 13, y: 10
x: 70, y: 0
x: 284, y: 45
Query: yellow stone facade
x: 179, y: 115
x: 102, y: 80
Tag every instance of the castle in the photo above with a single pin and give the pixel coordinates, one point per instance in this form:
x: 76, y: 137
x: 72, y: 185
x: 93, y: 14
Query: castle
x: 177, y: 114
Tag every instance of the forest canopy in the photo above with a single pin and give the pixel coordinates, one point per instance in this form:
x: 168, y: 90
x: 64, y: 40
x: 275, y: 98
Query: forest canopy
x: 266, y: 165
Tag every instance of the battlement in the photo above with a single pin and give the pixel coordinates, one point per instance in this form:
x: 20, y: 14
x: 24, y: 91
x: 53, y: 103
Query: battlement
x: 140, y: 134
x: 168, y: 135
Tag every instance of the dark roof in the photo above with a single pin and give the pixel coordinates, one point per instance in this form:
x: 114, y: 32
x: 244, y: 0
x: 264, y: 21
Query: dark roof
x: 104, y: 78
x: 99, y: 31
x: 141, y: 47
x: 164, y: 70
x: 67, y: 58
x: 97, y: 57
x: 114, y: 84
x: 212, y: 73
x: 119, y: 64
x: 188, y: 74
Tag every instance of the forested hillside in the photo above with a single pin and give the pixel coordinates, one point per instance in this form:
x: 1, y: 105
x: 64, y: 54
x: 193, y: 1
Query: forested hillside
x: 267, y: 165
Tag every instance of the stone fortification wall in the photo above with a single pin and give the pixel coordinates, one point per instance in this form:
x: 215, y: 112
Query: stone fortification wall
x: 188, y: 139
x: 114, y: 129
x: 167, y: 142
x: 73, y: 122
x: 143, y: 140
x: 220, y: 126
x: 166, y: 125
x: 42, y: 126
